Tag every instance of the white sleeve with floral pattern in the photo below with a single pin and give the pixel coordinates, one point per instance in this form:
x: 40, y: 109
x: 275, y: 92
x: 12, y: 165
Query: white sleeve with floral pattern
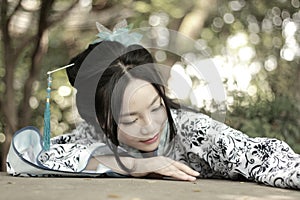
x: 216, y: 150
x: 71, y: 151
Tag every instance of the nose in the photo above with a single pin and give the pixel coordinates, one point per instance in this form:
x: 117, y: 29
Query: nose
x: 147, y: 126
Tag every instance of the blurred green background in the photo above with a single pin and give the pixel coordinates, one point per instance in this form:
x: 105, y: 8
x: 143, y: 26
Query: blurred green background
x: 254, y: 45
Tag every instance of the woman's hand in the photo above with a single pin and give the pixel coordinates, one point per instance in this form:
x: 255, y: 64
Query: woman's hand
x: 164, y: 166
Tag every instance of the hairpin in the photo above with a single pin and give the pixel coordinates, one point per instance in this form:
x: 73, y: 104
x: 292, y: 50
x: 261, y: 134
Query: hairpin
x: 47, y: 113
x: 121, y: 33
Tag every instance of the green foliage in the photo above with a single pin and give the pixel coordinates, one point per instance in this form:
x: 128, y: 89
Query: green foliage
x: 277, y: 118
x: 274, y: 110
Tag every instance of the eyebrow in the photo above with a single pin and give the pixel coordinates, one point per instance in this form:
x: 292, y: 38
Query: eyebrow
x: 135, y: 113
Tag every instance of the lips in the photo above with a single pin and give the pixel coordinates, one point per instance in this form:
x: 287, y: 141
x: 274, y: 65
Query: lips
x: 151, y: 140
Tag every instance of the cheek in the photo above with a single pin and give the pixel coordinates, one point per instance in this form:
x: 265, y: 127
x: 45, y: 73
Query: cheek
x: 121, y: 135
x: 127, y: 131
x: 160, y: 117
x: 124, y: 137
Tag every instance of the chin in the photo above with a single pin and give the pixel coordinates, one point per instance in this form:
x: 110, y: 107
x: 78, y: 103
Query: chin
x: 149, y: 148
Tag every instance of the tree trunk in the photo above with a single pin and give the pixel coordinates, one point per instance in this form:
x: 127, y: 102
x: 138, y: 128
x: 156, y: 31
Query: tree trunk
x: 193, y: 22
x: 8, y: 108
x: 38, y: 51
x: 8, y: 101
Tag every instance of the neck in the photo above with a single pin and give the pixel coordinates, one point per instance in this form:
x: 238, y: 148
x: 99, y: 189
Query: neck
x: 148, y: 154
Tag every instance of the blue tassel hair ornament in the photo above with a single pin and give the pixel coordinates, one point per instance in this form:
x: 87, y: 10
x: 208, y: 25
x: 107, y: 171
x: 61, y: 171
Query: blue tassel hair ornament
x: 47, y: 112
x: 47, y: 115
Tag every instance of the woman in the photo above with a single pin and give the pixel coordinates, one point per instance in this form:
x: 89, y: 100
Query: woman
x: 123, y: 101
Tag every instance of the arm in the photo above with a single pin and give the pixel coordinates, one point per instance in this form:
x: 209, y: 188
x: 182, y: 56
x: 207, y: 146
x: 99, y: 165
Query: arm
x: 144, y: 166
x: 229, y: 153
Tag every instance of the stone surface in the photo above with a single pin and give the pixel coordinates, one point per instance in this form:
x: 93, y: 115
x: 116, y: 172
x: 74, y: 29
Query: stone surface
x: 136, y: 189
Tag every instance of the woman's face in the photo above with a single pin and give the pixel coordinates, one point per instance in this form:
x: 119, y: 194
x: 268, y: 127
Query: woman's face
x: 142, y: 117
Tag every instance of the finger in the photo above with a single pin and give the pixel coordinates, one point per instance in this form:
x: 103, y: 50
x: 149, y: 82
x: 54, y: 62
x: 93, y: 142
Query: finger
x: 176, y: 173
x: 185, y: 177
x: 180, y: 175
x: 186, y: 169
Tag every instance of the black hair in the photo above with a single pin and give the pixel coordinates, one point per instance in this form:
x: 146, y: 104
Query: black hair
x: 78, y: 60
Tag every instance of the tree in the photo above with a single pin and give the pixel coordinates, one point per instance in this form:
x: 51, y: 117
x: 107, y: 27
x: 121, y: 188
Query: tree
x: 17, y: 112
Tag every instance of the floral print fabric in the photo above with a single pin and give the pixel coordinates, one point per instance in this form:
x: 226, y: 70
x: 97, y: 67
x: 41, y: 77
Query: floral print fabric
x: 218, y: 151
x: 210, y: 147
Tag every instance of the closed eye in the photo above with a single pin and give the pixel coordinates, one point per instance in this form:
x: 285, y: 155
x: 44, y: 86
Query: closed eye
x: 129, y: 123
x: 157, y: 108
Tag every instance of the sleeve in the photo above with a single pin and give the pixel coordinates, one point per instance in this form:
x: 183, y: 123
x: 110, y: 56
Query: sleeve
x: 217, y: 150
x: 84, y: 133
x: 69, y: 152
x: 72, y: 151
x: 65, y: 157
